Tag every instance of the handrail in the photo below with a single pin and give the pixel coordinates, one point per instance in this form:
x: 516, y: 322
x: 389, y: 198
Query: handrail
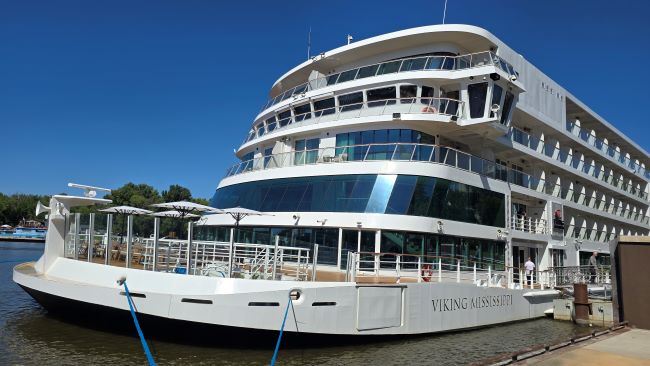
x: 450, y: 63
x: 529, y: 225
x: 606, y: 150
x: 426, y: 153
x: 525, y: 139
x: 425, y: 105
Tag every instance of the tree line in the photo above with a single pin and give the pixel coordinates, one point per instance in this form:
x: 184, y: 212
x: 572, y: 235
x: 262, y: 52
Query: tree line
x: 17, y: 207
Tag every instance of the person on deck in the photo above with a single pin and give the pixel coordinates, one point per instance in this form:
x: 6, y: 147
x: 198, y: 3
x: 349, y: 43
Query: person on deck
x: 593, y: 267
x: 530, y: 267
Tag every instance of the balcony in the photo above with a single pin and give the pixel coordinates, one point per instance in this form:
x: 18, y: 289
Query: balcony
x: 426, y: 63
x: 606, y: 150
x: 434, y: 154
x: 562, y: 155
x: 528, y: 225
x: 445, y: 107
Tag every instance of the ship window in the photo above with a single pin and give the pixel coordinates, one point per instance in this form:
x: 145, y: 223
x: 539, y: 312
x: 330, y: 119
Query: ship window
x: 477, y: 94
x: 385, y: 95
x: 389, y: 67
x: 347, y: 75
x: 324, y: 107
x: 367, y: 71
x: 331, y: 79
x: 270, y: 124
x: 496, y: 98
x: 306, y: 151
x: 284, y: 118
x: 413, y: 64
x: 351, y: 101
x: 427, y: 95
x: 448, y: 106
x: 407, y: 93
x: 268, y: 153
x: 507, y: 105
x: 260, y: 129
x: 302, y: 112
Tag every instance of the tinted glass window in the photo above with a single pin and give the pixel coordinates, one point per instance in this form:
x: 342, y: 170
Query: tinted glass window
x: 351, y: 101
x: 270, y: 124
x: 324, y: 107
x: 407, y: 93
x: 284, y: 118
x: 413, y: 64
x: 507, y: 105
x: 387, y: 95
x: 367, y: 71
x: 427, y: 95
x: 302, y: 112
x: 260, y: 129
x: 388, y: 67
x: 332, y: 79
x: 496, y: 98
x: 420, y: 196
x: 477, y: 94
x: 347, y: 76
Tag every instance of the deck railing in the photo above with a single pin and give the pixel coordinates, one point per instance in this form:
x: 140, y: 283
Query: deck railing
x: 567, y: 276
x: 529, y: 225
x: 423, y: 63
x: 425, y: 106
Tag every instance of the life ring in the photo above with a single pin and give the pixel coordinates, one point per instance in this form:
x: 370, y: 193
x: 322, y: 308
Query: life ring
x: 429, y: 109
x: 426, y: 273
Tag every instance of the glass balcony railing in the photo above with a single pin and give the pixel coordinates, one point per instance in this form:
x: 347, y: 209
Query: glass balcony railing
x: 424, y: 63
x: 607, y: 150
x: 562, y: 155
x: 426, y: 106
x: 436, y: 154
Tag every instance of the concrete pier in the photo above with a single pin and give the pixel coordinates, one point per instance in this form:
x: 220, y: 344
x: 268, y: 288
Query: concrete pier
x: 626, y: 347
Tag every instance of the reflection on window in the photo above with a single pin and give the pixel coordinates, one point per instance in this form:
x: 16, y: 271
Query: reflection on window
x: 347, y: 76
x: 385, y: 95
x: 507, y: 105
x: 407, y: 93
x: 389, y: 67
x: 306, y: 151
x: 284, y: 118
x: 477, y: 94
x: 497, y: 91
x: 270, y: 124
x: 324, y: 107
x: 302, y: 112
x: 367, y: 71
x: 417, y: 196
x: 427, y: 95
x: 413, y: 64
x: 351, y: 101
x: 260, y: 129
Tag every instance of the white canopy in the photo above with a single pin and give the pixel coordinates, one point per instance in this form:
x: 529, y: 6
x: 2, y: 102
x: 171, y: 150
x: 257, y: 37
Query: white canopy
x: 127, y: 210
x: 5, y: 226
x: 173, y: 213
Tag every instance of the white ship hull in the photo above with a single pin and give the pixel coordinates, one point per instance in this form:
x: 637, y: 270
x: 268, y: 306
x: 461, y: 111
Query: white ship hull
x: 324, y: 308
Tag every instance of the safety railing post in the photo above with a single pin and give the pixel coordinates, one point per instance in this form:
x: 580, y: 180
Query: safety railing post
x: 489, y: 276
x: 419, y: 269
x: 109, y: 239
x: 439, y: 269
x: 129, y: 240
x: 275, y: 256
x: 77, y: 224
x: 188, y: 260
x: 474, y: 278
x: 314, y: 262
x: 397, y: 266
x: 521, y: 279
x: 91, y: 237
x: 458, y: 270
x: 156, y: 243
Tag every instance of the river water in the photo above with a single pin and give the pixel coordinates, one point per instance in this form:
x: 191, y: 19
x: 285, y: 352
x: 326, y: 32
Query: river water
x: 28, y: 336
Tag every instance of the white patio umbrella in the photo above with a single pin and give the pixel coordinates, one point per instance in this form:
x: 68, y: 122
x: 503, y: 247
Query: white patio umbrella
x: 237, y: 213
x: 185, y: 207
x: 5, y: 227
x: 174, y: 213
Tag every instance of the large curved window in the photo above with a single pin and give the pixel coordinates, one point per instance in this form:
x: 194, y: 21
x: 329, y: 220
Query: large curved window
x: 369, y: 193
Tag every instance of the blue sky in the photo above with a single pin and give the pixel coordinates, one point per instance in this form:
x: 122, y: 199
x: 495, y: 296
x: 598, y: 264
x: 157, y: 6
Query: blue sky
x: 160, y: 92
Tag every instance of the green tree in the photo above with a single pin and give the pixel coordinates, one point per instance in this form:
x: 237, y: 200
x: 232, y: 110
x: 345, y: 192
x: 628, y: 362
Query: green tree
x: 136, y: 195
x: 176, y: 193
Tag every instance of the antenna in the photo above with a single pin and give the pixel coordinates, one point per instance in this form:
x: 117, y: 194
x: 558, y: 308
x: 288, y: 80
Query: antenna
x: 89, y: 191
x: 350, y: 38
x: 309, y: 44
x: 444, y: 13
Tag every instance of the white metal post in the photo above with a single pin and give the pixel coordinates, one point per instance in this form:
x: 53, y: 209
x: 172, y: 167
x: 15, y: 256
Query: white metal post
x: 77, y: 225
x: 489, y: 275
x: 190, y: 227
x: 474, y: 272
x: 275, y: 255
x: 439, y: 269
x: 458, y: 270
x: 521, y: 279
x: 91, y: 237
x: 129, y: 240
x: 419, y: 269
x: 156, y: 242
x: 109, y: 239
x: 230, y: 252
x: 314, y: 261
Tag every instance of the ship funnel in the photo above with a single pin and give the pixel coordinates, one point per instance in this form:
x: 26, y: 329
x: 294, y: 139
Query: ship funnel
x: 40, y: 208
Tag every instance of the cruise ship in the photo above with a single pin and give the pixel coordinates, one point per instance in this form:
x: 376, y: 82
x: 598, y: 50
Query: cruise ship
x: 392, y: 186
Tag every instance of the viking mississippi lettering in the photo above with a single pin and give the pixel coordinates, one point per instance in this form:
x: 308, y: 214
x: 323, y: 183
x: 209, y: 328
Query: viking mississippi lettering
x: 469, y: 303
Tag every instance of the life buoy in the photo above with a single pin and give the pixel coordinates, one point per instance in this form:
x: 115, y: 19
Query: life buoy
x: 426, y: 273
x: 429, y: 109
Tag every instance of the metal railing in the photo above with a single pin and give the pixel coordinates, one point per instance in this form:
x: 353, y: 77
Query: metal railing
x: 529, y: 225
x: 426, y: 105
x: 249, y: 261
x: 563, y: 156
x: 567, y: 276
x: 423, y: 63
x: 607, y: 150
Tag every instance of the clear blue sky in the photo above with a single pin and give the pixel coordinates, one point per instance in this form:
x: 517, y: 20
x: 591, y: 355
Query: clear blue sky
x: 160, y: 92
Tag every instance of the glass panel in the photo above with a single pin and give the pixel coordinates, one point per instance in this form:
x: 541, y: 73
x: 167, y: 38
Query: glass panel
x: 381, y: 94
x: 407, y: 93
x: 388, y: 67
x: 347, y: 76
x: 367, y: 71
x: 507, y: 104
x: 302, y: 112
x: 351, y: 101
x: 284, y: 118
x: 413, y: 64
x: 427, y: 95
x: 477, y: 94
x: 324, y: 107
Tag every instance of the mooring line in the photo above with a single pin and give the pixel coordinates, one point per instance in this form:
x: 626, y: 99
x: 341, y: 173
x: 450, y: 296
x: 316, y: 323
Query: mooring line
x: 277, y: 345
x: 137, y: 325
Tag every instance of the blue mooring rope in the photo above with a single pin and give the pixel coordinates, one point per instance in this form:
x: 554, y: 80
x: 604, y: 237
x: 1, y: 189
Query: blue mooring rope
x: 137, y: 326
x: 277, y: 345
